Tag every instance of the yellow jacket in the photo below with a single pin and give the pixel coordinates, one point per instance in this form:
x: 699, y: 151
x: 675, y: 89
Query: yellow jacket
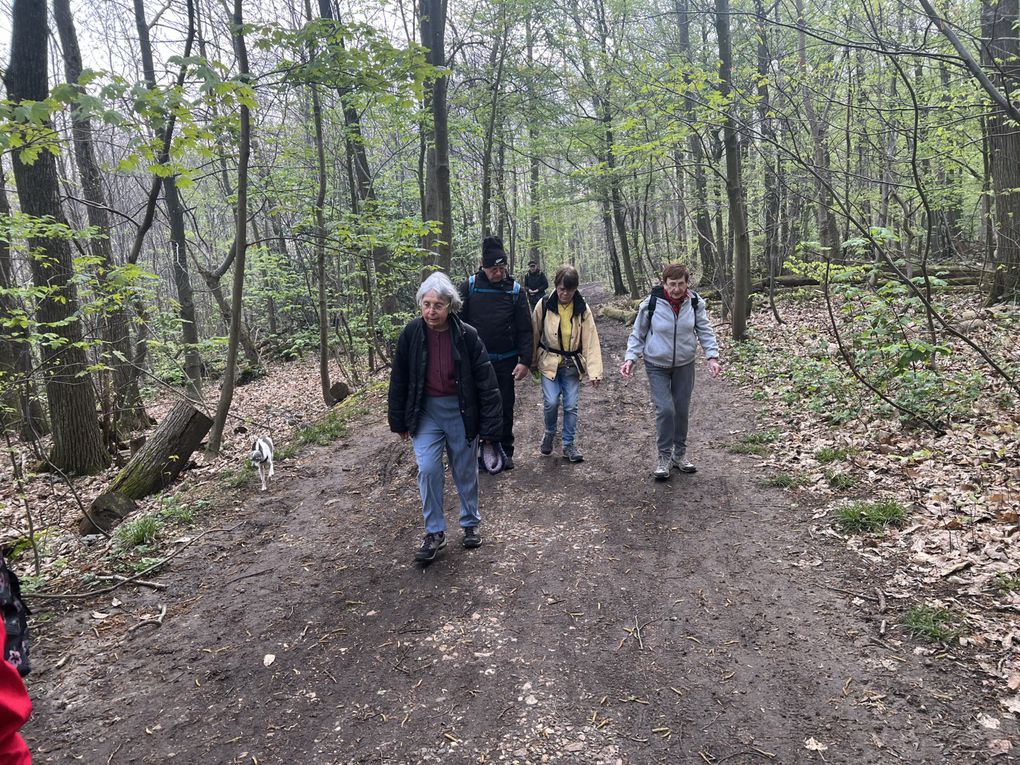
x: 584, y: 338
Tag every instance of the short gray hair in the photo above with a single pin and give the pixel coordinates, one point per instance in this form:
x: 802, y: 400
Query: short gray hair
x: 439, y: 283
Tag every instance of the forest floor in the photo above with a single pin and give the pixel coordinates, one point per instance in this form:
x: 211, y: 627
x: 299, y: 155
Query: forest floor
x: 607, y: 618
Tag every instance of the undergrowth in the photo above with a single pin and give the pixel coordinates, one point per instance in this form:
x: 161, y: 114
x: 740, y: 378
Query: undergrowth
x: 866, y: 517
x: 936, y: 625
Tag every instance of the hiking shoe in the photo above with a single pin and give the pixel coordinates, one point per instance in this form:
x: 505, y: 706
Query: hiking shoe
x: 471, y: 537
x: 546, y: 447
x: 508, y: 462
x: 430, y: 545
x: 661, y: 471
x: 571, y: 453
x: 681, y: 463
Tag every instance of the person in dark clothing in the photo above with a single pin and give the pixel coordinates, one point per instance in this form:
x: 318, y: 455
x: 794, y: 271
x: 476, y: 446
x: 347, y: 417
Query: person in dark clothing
x: 494, y: 305
x: 443, y: 393
x: 535, y: 283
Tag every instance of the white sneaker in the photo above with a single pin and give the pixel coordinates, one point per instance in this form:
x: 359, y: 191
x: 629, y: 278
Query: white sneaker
x: 661, y: 471
x: 681, y: 463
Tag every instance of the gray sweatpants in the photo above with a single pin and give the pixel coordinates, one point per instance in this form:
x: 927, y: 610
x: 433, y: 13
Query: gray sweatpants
x: 671, y: 389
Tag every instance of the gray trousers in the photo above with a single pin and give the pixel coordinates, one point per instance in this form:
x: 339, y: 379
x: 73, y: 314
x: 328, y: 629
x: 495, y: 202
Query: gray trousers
x: 671, y: 389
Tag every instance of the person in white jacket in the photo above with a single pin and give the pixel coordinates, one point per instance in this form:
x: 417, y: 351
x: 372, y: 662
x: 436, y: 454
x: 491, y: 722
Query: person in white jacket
x: 670, y: 324
x: 566, y: 351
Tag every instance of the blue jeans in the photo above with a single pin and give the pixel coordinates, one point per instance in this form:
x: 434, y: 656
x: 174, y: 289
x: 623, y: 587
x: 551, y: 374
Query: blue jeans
x: 440, y: 426
x: 671, y: 394
x: 568, y: 385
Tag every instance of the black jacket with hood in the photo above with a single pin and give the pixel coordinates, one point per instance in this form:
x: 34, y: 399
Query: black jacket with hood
x: 503, y: 321
x: 481, y: 407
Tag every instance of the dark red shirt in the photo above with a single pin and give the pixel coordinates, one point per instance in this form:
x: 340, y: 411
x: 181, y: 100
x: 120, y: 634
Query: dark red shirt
x: 439, y: 377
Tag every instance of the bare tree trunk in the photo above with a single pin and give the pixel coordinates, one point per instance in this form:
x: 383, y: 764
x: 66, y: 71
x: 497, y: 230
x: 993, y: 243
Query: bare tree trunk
x: 497, y: 57
x: 240, y: 238
x: 437, y: 175
x: 77, y: 441
x: 769, y: 158
x: 320, y: 249
x: 1001, y: 54
x: 828, y: 231
x: 182, y: 280
x: 702, y: 220
x: 128, y: 410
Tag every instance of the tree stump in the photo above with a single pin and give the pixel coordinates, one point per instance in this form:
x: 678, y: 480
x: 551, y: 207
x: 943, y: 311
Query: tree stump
x: 105, y: 512
x: 339, y: 391
x: 154, y: 466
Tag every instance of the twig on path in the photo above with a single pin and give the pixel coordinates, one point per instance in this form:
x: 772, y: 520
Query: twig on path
x: 717, y: 716
x: 158, y: 621
x: 247, y: 576
x: 751, y: 752
x: 872, y: 598
x: 139, y: 575
x: 881, y: 600
x: 114, y: 752
x: 139, y: 582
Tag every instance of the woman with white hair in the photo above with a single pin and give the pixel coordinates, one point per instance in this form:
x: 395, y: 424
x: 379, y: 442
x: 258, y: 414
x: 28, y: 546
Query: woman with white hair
x: 444, y: 395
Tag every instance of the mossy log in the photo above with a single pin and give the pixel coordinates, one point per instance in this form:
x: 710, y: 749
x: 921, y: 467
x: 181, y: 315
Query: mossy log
x: 625, y: 315
x: 156, y: 464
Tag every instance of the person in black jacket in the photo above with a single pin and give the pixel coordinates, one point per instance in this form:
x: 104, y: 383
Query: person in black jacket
x: 443, y: 393
x: 536, y: 283
x: 493, y: 304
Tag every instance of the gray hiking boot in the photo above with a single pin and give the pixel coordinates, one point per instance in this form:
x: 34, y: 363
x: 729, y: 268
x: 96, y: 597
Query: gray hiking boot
x: 681, y: 463
x: 661, y: 471
x: 571, y: 453
x: 547, y: 442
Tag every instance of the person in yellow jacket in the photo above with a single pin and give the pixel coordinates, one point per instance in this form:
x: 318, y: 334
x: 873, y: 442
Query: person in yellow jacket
x: 566, y: 351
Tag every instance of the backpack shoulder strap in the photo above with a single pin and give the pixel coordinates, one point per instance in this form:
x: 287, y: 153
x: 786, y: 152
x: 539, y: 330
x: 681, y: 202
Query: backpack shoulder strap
x: 652, y: 299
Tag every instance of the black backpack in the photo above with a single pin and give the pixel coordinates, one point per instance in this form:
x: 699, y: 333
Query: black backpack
x: 653, y: 298
x: 15, y: 614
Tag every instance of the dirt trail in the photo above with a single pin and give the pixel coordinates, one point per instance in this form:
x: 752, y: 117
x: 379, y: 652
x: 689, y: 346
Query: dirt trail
x: 524, y: 650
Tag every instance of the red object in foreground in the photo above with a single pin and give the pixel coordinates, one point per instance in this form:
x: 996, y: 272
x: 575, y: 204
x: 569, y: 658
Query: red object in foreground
x: 15, y: 707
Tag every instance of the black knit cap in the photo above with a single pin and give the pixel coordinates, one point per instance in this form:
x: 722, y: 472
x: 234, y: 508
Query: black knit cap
x: 492, y: 252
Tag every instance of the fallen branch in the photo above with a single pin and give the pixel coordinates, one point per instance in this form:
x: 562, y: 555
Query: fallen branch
x: 139, y: 582
x: 157, y: 621
x: 126, y: 580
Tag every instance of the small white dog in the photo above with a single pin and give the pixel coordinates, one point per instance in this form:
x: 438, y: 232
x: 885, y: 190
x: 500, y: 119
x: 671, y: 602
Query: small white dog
x: 262, y: 456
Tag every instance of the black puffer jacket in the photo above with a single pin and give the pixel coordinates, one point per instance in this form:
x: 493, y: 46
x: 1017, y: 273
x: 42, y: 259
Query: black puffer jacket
x: 480, y: 405
x: 503, y: 322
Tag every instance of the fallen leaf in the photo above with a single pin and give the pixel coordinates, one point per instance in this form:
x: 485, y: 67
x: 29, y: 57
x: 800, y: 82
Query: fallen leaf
x: 987, y: 721
x: 99, y: 615
x: 814, y: 746
x: 1000, y: 746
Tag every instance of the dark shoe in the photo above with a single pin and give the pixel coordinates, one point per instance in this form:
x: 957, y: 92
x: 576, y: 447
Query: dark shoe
x: 471, y: 537
x: 547, y: 441
x: 571, y: 453
x: 508, y: 462
x: 661, y: 471
x: 430, y: 545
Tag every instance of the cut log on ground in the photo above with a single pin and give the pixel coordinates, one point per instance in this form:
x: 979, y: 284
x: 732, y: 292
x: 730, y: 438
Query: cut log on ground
x: 625, y: 315
x: 154, y: 467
